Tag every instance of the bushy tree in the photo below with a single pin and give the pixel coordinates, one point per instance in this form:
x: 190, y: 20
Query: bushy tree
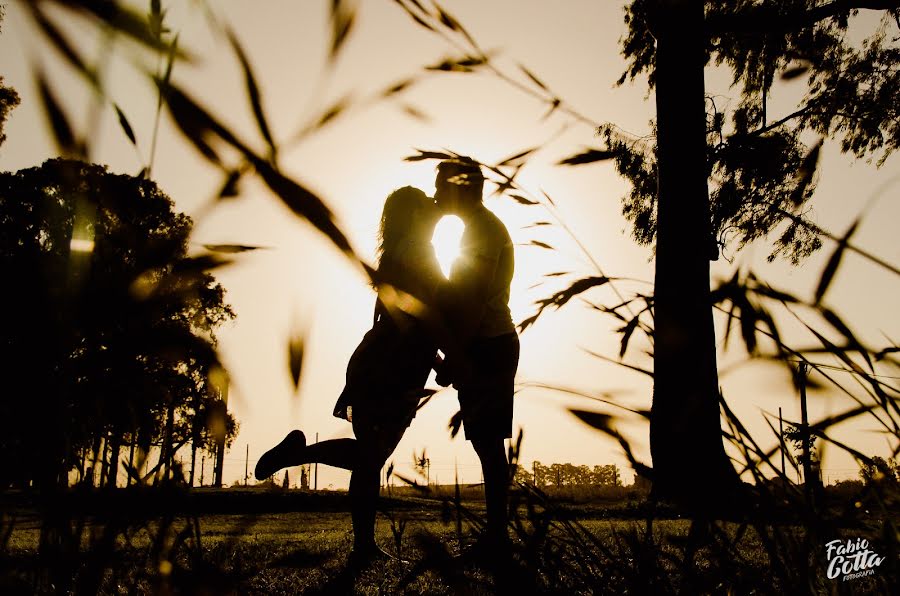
x: 109, y: 331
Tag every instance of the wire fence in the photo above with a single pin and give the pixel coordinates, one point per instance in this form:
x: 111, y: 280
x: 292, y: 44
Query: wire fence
x: 238, y: 471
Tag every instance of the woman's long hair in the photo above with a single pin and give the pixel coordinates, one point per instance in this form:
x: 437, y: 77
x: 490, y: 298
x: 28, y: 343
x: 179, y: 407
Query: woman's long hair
x: 407, y: 221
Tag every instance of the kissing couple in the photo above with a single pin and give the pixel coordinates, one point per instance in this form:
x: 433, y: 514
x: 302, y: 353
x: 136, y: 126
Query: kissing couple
x: 417, y: 312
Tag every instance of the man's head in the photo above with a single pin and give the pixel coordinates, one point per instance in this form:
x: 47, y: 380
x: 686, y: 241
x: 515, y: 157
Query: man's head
x: 458, y: 186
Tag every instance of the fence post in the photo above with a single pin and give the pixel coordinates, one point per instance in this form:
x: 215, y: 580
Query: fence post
x: 804, y: 435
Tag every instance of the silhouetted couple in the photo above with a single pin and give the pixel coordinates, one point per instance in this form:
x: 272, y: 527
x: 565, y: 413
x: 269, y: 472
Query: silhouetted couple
x: 417, y: 312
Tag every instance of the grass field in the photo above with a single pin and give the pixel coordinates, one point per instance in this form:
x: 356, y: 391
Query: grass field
x: 290, y: 543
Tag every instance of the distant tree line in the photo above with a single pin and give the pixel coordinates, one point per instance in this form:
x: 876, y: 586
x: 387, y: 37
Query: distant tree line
x: 560, y: 475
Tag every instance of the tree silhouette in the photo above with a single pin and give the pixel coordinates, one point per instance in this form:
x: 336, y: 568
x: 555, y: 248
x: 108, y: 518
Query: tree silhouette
x: 760, y: 172
x: 9, y: 99
x: 110, y: 334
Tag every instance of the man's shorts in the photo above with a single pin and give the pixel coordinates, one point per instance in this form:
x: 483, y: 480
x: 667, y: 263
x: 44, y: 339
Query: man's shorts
x: 486, y: 401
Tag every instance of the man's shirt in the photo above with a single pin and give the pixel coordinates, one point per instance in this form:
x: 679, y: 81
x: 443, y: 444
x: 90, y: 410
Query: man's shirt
x: 482, y: 274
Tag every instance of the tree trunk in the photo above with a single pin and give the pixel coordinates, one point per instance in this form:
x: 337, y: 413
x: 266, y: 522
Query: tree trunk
x: 115, y: 446
x: 130, y: 479
x: 104, y: 465
x: 690, y: 466
x: 193, y: 461
x: 166, y: 451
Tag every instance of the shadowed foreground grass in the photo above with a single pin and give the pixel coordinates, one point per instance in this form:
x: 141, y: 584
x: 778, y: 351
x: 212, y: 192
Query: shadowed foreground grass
x: 576, y: 549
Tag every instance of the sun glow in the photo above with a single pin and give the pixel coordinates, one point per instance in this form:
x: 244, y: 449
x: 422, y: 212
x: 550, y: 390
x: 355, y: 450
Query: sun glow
x: 447, y: 235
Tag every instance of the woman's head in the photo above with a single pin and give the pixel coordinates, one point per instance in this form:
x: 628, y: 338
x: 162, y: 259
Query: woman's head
x: 409, y: 214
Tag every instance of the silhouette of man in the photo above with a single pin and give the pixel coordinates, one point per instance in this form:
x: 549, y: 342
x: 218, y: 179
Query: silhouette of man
x: 476, y: 304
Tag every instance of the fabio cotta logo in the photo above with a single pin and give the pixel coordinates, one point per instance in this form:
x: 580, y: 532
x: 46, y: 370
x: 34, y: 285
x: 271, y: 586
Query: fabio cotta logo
x: 851, y: 559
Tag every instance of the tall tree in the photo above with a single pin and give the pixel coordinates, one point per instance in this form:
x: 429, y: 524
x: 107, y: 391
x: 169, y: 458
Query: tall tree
x: 109, y: 325
x: 760, y: 173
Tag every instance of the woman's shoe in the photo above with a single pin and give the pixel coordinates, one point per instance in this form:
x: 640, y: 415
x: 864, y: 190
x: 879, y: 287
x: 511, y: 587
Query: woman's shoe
x: 283, y: 455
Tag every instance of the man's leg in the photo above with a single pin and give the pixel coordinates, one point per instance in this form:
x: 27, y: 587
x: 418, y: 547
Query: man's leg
x: 496, y: 485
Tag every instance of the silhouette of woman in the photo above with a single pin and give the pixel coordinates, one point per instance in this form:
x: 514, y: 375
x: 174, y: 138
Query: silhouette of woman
x: 387, y: 372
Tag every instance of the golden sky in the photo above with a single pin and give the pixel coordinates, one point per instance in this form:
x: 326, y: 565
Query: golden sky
x: 301, y: 283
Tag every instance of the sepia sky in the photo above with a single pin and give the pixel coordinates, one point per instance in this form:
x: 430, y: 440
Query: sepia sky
x: 300, y: 284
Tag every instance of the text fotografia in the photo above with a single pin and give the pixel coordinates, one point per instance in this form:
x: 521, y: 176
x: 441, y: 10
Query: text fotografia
x: 851, y: 559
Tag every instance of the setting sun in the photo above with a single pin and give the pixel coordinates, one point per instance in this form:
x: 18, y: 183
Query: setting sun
x: 447, y: 235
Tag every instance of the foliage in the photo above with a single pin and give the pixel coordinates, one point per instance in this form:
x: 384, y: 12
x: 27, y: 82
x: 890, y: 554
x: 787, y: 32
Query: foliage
x: 114, y: 325
x: 9, y: 99
x: 567, y: 474
x: 880, y: 470
x: 760, y: 168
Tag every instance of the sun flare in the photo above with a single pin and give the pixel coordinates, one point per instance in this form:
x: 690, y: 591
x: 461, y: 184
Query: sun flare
x: 447, y: 235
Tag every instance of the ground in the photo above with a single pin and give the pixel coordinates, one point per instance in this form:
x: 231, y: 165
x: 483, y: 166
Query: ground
x: 298, y: 543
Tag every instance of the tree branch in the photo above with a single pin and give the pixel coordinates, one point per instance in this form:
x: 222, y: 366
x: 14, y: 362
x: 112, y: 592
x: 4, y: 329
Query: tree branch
x: 763, y: 19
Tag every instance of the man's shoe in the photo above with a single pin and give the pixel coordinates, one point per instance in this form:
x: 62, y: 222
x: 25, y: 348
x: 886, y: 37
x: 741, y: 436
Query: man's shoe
x: 282, y: 455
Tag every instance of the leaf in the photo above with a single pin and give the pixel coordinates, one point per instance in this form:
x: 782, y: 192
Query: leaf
x: 195, y: 265
x: 156, y: 18
x: 554, y: 105
x: 332, y: 112
x: 774, y: 294
x: 540, y: 244
x: 419, y: 20
x: 749, y: 317
x: 170, y: 60
x: 422, y: 155
x: 230, y: 186
x: 398, y: 87
x: 854, y: 344
x: 62, y: 129
x: 534, y: 78
x: 578, y: 287
x: 461, y: 64
x: 124, y: 20
x: 602, y: 422
x: 446, y: 19
x: 537, y: 224
x: 231, y: 248
x: 61, y: 43
x: 528, y: 322
x: 455, y: 424
x: 588, y: 156
x: 795, y: 72
x: 414, y: 112
x: 881, y: 355
x: 342, y: 21
x: 522, y: 200
x: 305, y: 204
x: 644, y: 371
x: 126, y: 127
x: 518, y: 157
x: 196, y: 123
x: 833, y: 263
x: 253, y: 92
x: 295, y: 359
x: 193, y: 122
x: 627, y: 332
x: 805, y: 173
x: 550, y: 200
x: 556, y: 274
